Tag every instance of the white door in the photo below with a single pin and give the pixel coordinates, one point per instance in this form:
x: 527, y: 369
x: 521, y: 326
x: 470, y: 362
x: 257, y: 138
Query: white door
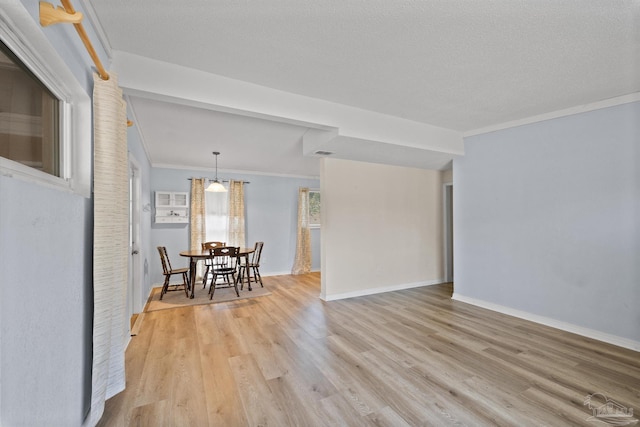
x: 133, y: 289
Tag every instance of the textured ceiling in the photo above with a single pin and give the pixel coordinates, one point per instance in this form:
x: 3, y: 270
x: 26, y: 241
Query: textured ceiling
x: 457, y: 64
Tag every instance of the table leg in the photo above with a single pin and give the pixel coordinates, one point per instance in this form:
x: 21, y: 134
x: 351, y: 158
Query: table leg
x: 192, y: 270
x: 246, y: 263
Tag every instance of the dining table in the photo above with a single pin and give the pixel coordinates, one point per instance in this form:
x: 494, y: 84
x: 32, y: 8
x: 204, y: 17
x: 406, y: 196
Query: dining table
x: 196, y: 255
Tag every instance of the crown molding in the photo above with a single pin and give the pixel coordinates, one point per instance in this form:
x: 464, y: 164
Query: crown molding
x: 611, y: 102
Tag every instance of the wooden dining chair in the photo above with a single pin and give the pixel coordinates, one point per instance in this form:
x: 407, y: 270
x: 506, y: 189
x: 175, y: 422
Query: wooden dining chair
x: 254, y: 265
x: 168, y: 271
x: 224, y: 264
x: 207, y: 262
x: 211, y: 245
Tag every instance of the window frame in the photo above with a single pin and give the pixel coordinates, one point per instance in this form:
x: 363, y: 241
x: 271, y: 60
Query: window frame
x: 22, y: 35
x: 314, y: 224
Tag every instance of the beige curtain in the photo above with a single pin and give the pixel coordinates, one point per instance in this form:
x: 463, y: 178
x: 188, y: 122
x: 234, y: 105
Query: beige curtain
x: 302, y: 262
x: 197, y: 217
x: 197, y: 225
x: 110, y: 243
x: 236, y: 214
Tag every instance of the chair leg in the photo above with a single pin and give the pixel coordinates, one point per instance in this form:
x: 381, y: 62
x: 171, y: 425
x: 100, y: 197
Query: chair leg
x: 235, y: 283
x: 187, y: 287
x: 212, y: 286
x: 226, y: 279
x: 256, y: 273
x: 165, y: 286
x: 229, y: 281
x: 246, y: 271
x: 204, y: 278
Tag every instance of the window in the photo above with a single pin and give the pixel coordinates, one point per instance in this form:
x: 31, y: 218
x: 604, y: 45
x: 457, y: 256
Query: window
x: 45, y: 112
x: 216, y: 216
x: 314, y: 208
x: 29, y: 131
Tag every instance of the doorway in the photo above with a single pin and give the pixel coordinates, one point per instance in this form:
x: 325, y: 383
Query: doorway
x: 134, y: 281
x: 447, y: 192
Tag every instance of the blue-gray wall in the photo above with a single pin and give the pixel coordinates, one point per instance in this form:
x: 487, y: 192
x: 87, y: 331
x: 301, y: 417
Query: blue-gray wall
x: 46, y: 239
x: 271, y: 209
x: 547, y: 220
x: 147, y: 253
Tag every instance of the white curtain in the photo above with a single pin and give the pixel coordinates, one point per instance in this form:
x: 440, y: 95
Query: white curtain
x: 236, y: 214
x: 110, y: 243
x: 302, y: 262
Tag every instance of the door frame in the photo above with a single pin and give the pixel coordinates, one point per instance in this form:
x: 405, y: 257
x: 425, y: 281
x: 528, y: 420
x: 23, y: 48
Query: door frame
x: 447, y: 238
x: 134, y: 286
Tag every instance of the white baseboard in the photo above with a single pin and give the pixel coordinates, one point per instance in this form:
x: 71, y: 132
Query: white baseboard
x: 558, y: 324
x: 275, y: 273
x: 282, y: 273
x: 382, y: 289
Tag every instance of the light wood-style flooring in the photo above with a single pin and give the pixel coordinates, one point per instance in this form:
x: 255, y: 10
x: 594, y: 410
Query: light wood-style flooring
x: 411, y: 357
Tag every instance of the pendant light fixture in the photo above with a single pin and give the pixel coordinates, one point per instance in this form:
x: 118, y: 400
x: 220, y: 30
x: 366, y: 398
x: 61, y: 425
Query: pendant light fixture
x: 215, y: 185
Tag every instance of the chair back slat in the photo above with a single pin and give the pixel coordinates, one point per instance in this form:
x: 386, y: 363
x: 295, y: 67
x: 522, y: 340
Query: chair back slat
x: 224, y: 256
x: 211, y: 245
x: 255, y: 259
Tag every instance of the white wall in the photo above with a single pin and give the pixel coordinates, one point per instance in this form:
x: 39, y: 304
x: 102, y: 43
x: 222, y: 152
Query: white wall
x: 271, y: 209
x: 546, y: 220
x: 382, y: 228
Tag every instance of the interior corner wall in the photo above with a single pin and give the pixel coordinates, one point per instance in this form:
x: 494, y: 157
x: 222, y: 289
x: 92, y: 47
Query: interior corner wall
x: 381, y: 228
x: 546, y: 220
x: 447, y: 176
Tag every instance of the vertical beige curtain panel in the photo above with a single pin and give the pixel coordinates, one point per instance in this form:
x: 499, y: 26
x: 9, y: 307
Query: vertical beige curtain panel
x: 236, y: 214
x: 302, y: 262
x: 110, y: 243
x: 197, y: 233
x: 197, y: 224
